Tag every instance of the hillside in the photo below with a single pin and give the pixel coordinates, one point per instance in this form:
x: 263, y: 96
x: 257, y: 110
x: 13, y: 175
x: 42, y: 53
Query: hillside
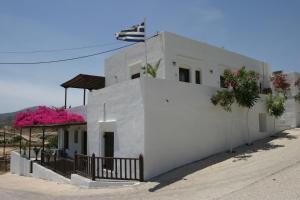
x: 7, y: 119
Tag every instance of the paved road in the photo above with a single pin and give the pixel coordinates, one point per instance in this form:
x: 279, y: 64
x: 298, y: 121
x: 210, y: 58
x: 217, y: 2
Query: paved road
x: 270, y: 169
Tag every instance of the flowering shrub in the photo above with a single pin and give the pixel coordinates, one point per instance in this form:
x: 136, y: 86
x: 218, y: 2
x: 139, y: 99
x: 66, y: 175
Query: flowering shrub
x: 280, y: 83
x: 275, y: 104
x: 245, y: 89
x: 297, y: 83
x: 225, y: 98
x: 44, y: 115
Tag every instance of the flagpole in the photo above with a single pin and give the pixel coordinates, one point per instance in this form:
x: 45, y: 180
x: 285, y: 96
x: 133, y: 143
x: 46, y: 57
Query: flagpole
x: 145, y: 44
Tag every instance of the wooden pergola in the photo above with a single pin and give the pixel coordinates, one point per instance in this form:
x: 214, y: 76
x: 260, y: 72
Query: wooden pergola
x: 43, y: 127
x: 84, y: 81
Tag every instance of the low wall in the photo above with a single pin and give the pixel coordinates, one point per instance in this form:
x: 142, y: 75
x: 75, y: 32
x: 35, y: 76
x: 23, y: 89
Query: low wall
x: 83, y: 182
x: 47, y: 174
x: 19, y: 165
x: 182, y: 125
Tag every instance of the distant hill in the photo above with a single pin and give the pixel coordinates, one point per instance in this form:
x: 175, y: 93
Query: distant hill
x: 7, y: 119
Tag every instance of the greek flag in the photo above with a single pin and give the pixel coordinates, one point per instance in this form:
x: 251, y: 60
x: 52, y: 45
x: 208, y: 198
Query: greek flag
x: 134, y: 34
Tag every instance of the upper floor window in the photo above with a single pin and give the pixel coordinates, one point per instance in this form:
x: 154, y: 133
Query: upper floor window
x: 137, y: 75
x: 198, y: 77
x: 184, y: 75
x: 222, y: 82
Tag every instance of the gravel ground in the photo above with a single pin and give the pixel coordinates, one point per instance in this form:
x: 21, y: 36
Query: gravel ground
x: 269, y: 169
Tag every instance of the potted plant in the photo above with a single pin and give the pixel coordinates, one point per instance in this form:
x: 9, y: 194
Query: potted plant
x: 151, y: 70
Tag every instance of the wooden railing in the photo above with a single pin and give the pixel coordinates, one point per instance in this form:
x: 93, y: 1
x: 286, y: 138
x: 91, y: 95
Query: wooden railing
x: 110, y: 167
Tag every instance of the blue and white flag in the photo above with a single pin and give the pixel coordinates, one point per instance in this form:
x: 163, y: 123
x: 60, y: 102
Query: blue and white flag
x: 134, y: 34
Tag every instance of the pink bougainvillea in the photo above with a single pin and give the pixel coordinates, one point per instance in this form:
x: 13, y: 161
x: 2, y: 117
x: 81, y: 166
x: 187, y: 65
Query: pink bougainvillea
x: 44, y: 116
x: 280, y: 82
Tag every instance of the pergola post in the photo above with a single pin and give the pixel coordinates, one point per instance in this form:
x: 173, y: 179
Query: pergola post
x: 84, y: 91
x: 29, y: 143
x: 43, y: 147
x: 20, y: 141
x: 4, y: 144
x: 66, y: 94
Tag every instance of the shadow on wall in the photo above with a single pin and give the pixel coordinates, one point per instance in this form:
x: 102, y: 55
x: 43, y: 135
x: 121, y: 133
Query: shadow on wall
x: 241, y: 153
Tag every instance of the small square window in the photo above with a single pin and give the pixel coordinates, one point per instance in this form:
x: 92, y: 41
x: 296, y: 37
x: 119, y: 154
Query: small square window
x: 134, y: 76
x: 184, y: 75
x: 197, y: 77
x: 76, y: 137
x: 222, y: 82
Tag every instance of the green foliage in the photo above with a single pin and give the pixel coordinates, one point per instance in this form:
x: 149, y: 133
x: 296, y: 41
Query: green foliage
x: 245, y: 90
x: 53, y: 141
x: 297, y: 84
x: 280, y: 83
x: 223, y: 98
x: 297, y: 97
x: 275, y: 104
x: 152, y: 70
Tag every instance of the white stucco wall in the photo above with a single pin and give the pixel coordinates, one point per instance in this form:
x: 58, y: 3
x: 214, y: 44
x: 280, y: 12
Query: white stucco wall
x: 121, y: 66
x: 210, y: 60
x: 42, y: 172
x: 119, y: 109
x: 19, y: 165
x: 80, y: 110
x: 170, y: 122
x: 177, y: 51
x: 72, y: 145
x: 291, y: 116
x: 182, y: 125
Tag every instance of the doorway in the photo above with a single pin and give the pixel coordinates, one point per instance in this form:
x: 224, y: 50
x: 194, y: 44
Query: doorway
x: 109, y: 150
x: 84, y: 143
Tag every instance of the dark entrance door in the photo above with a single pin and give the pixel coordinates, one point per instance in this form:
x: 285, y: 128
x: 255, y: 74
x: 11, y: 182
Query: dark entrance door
x: 109, y: 149
x: 66, y: 140
x: 84, y: 143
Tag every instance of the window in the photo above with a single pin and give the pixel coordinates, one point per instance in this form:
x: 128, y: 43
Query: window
x: 76, y: 137
x: 66, y: 140
x: 184, y: 75
x: 135, y: 70
x: 222, y: 82
x: 262, y: 122
x: 137, y: 75
x: 197, y: 77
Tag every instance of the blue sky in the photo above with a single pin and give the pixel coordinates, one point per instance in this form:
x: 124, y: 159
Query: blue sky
x: 267, y: 30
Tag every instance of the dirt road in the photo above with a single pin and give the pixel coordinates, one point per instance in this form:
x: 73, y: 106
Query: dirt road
x: 270, y: 169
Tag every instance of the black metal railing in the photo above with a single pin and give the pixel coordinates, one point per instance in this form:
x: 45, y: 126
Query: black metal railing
x: 109, y: 167
x: 57, y: 163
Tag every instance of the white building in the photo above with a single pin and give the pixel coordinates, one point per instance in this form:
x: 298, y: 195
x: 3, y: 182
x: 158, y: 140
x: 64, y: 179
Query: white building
x: 171, y: 120
x: 291, y: 116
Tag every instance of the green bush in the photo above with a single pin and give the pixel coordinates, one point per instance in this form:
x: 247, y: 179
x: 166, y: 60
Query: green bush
x: 224, y: 98
x: 275, y: 104
x: 297, y: 97
x: 53, y: 141
x: 151, y: 70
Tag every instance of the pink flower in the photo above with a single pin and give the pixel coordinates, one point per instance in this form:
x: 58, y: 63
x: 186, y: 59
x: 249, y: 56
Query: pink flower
x: 45, y: 115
